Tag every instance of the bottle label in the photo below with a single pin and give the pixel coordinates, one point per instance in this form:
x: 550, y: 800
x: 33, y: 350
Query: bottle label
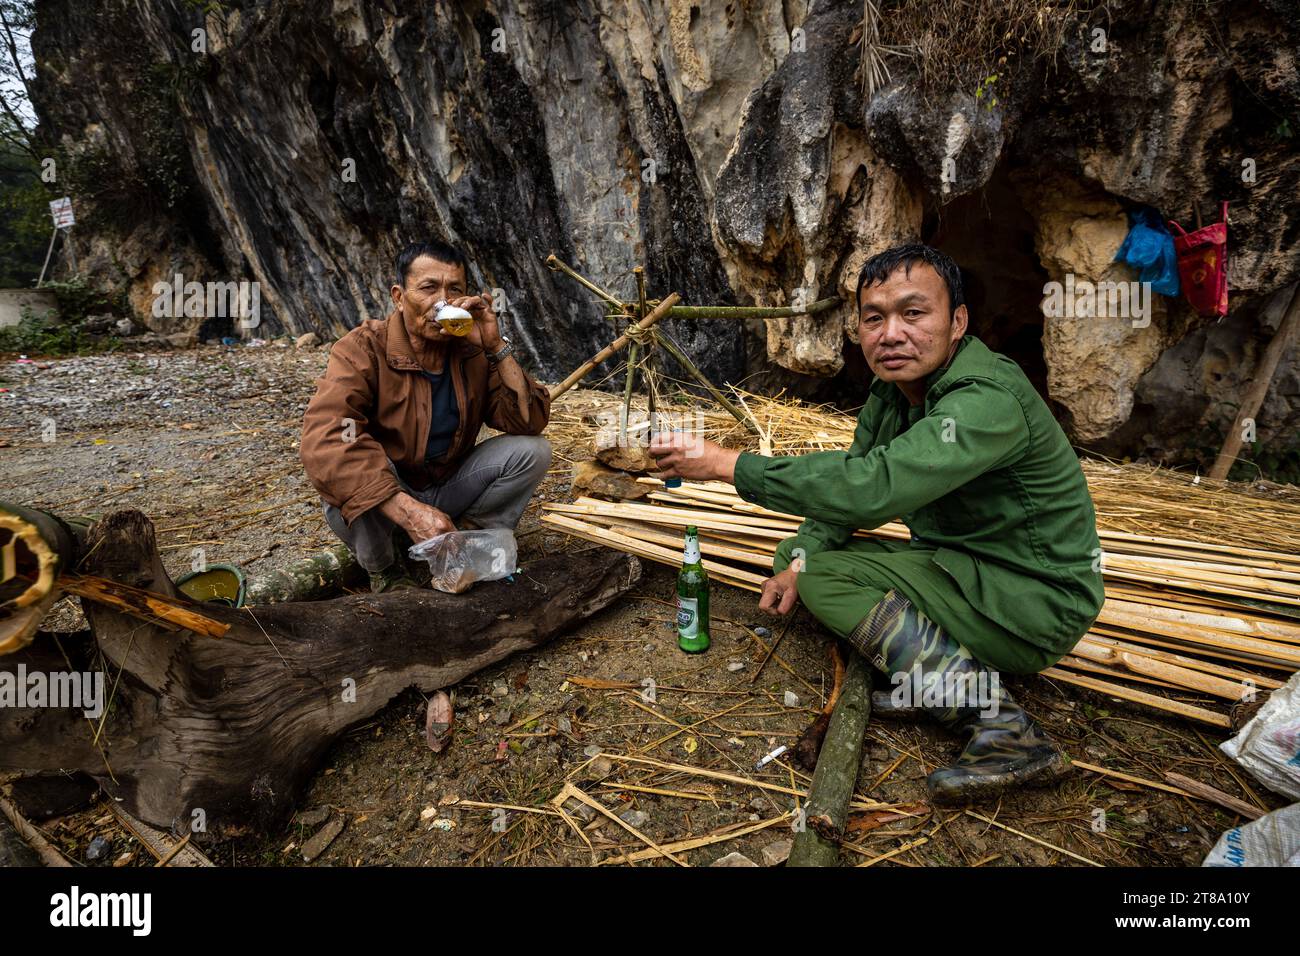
x: 688, y: 618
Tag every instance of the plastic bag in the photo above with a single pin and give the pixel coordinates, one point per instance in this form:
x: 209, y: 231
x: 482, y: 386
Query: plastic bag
x: 1272, y: 840
x: 1149, y: 248
x: 457, y: 559
x: 1269, y: 745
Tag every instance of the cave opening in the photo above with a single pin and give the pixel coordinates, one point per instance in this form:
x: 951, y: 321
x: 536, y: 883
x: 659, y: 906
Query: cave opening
x: 990, y: 235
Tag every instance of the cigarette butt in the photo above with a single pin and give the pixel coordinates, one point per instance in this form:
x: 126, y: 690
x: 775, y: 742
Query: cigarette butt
x: 768, y: 758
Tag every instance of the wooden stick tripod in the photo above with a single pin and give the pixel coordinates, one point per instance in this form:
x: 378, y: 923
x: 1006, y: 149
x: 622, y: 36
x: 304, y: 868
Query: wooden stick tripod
x: 642, y: 333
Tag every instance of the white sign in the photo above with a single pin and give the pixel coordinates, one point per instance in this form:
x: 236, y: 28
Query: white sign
x: 61, y: 210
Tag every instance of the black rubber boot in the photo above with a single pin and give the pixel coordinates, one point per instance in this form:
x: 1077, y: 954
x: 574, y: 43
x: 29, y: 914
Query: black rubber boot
x: 1004, y: 747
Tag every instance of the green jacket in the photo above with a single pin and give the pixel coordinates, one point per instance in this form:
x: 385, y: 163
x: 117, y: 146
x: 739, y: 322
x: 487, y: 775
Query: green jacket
x: 981, y: 473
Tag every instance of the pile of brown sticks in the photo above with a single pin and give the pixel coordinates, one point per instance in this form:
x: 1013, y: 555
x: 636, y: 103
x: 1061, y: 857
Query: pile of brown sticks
x: 1189, y: 626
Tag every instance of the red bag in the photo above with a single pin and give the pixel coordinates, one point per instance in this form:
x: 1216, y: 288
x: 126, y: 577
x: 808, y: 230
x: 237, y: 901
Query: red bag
x: 1203, y: 265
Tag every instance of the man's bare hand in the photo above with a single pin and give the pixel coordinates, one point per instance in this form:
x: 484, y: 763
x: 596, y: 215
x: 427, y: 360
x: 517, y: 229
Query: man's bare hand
x: 780, y: 593
x: 421, y: 521
x: 685, y: 455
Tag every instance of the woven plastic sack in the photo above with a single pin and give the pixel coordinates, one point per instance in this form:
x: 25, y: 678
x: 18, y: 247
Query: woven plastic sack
x: 1269, y: 745
x: 458, y: 559
x: 1272, y: 840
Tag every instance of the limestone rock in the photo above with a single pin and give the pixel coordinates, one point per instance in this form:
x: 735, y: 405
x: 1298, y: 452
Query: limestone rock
x: 1094, y: 362
x: 593, y: 478
x: 623, y: 452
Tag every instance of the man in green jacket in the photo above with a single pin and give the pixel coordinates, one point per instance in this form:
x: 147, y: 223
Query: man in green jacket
x: 1003, y: 568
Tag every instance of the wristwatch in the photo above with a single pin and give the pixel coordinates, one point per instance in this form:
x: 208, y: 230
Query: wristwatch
x: 506, y: 349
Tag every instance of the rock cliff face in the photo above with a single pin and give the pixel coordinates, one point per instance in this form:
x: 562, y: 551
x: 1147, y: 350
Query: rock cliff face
x: 727, y: 146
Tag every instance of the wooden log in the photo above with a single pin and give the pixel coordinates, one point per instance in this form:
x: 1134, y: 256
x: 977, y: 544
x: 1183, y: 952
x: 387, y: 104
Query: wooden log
x: 35, y: 548
x: 827, y: 809
x: 311, y: 579
x: 235, y: 727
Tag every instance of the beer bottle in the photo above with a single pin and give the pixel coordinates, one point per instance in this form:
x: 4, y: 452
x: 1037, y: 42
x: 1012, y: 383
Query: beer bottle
x: 692, y: 598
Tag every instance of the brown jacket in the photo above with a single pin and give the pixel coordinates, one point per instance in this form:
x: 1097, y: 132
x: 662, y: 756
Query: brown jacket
x: 373, y: 379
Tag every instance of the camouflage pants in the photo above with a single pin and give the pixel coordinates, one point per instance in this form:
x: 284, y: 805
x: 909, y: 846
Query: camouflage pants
x: 840, y: 587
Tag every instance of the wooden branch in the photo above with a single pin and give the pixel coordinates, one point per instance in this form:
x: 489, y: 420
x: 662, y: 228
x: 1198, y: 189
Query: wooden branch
x: 32, y: 837
x: 1262, y: 379
x: 827, y: 809
x: 1215, y: 795
x: 140, y: 603
x: 614, y: 347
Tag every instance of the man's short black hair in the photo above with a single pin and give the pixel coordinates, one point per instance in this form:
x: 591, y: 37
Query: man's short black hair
x: 434, y: 249
x: 880, y: 266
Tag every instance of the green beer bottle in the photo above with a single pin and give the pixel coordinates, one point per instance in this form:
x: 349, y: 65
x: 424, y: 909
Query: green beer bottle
x: 692, y: 598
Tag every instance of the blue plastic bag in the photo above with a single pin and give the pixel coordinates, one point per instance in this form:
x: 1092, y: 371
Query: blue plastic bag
x: 1149, y: 248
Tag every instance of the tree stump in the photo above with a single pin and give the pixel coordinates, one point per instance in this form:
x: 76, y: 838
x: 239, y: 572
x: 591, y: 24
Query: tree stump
x: 234, y: 727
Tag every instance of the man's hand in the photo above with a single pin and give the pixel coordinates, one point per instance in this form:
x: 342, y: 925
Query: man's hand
x: 486, y: 334
x: 780, y: 593
x: 421, y: 521
x: 685, y: 455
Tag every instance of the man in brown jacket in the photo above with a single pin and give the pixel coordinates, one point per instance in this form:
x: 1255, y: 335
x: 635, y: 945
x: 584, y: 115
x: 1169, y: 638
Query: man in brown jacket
x: 389, y: 438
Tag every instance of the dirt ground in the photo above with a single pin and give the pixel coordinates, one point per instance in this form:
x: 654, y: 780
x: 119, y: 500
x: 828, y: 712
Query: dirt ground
x: 204, y: 441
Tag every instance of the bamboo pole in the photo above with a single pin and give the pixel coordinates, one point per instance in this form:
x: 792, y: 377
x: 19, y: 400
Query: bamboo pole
x: 750, y: 311
x: 1263, y: 378
x: 613, y: 348
x: 671, y: 348
x: 555, y: 264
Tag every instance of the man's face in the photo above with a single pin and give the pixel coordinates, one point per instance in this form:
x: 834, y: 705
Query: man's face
x: 904, y: 324
x: 428, y: 282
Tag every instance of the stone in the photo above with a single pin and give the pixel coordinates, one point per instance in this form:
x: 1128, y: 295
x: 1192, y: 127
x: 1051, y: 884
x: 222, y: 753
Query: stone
x: 776, y: 852
x: 599, y: 481
x: 634, y: 818
x: 791, y: 699
x: 99, y: 849
x: 312, y: 818
x: 734, y: 859
x: 1093, y: 364
x: 734, y: 666
x: 623, y: 453
x: 322, y: 838
x: 576, y: 808
x: 99, y: 324
x: 307, y: 340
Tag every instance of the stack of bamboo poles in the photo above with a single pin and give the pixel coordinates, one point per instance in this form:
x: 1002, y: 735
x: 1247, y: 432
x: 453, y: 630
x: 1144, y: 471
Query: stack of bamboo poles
x: 1190, y: 624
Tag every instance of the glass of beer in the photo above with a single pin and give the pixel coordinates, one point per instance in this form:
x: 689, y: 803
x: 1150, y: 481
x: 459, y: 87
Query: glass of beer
x: 453, y: 321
